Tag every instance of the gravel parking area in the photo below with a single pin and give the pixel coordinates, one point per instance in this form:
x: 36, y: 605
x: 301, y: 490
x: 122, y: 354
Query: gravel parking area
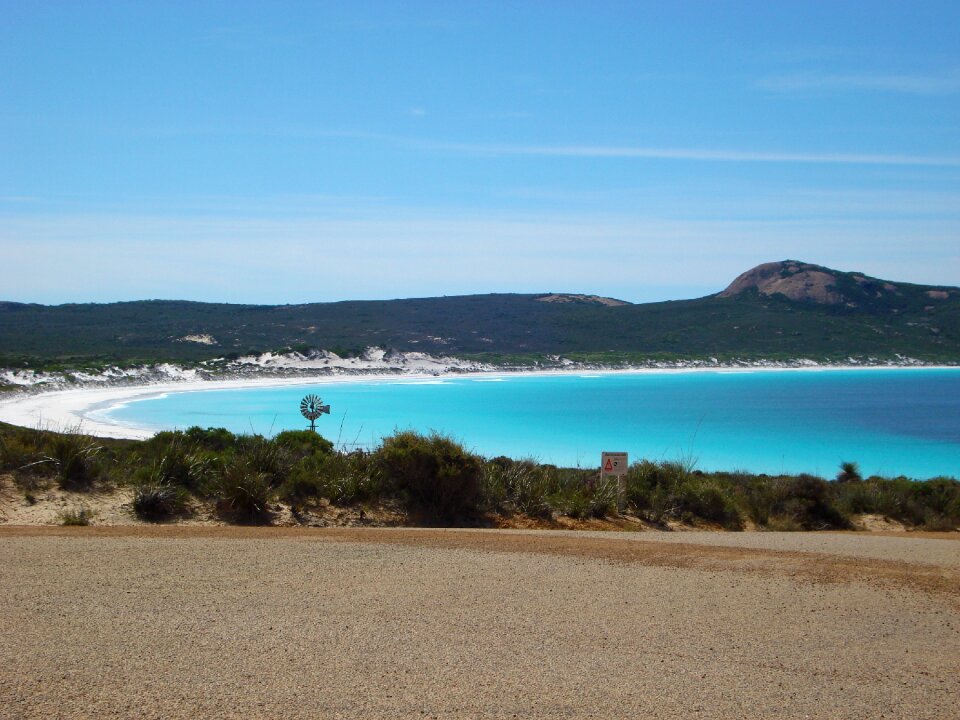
x: 187, y: 622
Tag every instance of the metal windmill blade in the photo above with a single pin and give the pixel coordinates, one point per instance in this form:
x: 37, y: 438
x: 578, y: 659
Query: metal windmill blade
x: 312, y: 407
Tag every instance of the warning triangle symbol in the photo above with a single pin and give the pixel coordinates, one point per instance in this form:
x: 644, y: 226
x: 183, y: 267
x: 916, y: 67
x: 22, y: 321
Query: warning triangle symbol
x: 609, y: 466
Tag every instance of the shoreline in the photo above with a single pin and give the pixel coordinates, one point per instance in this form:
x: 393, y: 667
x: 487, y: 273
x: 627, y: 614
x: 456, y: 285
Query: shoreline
x: 85, y: 407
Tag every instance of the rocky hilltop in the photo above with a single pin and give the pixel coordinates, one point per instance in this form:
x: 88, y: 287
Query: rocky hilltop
x: 585, y: 299
x: 804, y: 282
x: 794, y: 280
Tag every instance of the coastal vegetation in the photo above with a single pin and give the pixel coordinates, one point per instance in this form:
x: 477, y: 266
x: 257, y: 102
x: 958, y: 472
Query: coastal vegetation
x: 432, y: 480
x: 778, y: 311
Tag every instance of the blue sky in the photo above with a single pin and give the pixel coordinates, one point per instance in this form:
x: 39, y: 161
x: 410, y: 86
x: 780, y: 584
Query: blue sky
x: 282, y: 152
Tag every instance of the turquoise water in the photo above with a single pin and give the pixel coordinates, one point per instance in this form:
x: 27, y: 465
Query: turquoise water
x: 897, y: 421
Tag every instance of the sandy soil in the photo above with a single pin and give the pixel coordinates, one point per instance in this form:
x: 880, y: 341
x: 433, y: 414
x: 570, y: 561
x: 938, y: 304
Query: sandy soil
x: 193, y: 621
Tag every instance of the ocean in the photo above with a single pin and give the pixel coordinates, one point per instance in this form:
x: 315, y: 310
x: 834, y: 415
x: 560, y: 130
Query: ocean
x: 890, y: 421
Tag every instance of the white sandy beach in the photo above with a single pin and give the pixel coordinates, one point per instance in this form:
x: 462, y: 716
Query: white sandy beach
x: 88, y: 407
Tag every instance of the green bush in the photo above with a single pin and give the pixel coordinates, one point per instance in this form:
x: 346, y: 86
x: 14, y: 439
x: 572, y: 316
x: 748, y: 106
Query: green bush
x: 435, y: 474
x: 521, y: 485
x: 705, y: 499
x: 645, y: 478
x: 268, y: 458
x: 748, y: 494
x: 303, y: 443
x: 692, y: 499
x: 74, y: 460
x: 158, y: 501
x: 300, y: 487
x: 78, y: 517
x: 672, y: 491
x: 849, y: 472
x: 858, y: 498
x: 939, y: 495
x: 494, y: 484
x: 176, y: 461
x: 213, y: 439
x: 343, y: 478
x: 351, y: 477
x: 242, y: 493
x: 806, y: 500
x: 17, y: 453
x: 933, y: 504
x: 582, y: 499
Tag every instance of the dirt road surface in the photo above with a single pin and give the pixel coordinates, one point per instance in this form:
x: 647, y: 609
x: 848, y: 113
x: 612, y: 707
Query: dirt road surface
x: 191, y: 622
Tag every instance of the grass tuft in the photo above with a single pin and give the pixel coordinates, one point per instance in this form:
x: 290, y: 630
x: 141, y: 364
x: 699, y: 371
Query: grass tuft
x: 76, y: 517
x: 243, y: 493
x: 158, y: 501
x: 73, y: 457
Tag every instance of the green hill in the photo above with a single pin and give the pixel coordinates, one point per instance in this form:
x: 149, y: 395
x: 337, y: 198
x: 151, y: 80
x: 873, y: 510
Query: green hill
x: 778, y: 310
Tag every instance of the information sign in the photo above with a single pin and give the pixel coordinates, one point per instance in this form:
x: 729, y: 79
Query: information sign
x: 614, y: 464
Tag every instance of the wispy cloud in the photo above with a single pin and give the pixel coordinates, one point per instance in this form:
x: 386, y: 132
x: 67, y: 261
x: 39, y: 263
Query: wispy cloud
x: 586, y: 150
x: 945, y: 83
x: 506, y: 115
x: 698, y: 154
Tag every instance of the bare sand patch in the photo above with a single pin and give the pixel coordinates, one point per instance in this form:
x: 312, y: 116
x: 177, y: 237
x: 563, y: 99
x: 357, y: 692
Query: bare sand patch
x: 193, y: 621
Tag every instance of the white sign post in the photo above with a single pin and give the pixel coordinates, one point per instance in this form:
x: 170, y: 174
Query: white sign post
x: 615, y: 464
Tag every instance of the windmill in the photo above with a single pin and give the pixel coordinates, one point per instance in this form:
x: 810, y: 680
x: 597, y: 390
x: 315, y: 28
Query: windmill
x: 311, y: 408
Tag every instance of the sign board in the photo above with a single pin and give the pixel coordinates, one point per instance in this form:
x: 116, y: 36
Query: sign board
x: 613, y: 463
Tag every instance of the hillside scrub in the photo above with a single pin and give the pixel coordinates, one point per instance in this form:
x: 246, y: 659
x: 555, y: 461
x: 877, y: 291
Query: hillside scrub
x: 247, y: 479
x: 782, y: 310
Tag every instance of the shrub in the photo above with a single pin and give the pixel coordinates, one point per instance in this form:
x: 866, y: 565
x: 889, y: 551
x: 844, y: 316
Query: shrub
x: 343, y: 478
x: 939, y: 495
x: 158, y: 501
x: 704, y: 499
x: 644, y: 478
x: 494, y: 484
x: 350, y: 477
x: 177, y: 461
x: 16, y: 453
x: 953, y: 510
x: 673, y: 491
x: 213, y: 439
x: 80, y: 517
x: 687, y: 499
x: 271, y: 460
x: 303, y: 443
x: 933, y: 504
x: 434, y: 473
x: 300, y: 487
x: 242, y: 493
x: 939, y: 523
x: 521, y: 485
x: 849, y: 472
x: 593, y: 498
x: 807, y: 502
x: 857, y: 498
x: 74, y: 459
